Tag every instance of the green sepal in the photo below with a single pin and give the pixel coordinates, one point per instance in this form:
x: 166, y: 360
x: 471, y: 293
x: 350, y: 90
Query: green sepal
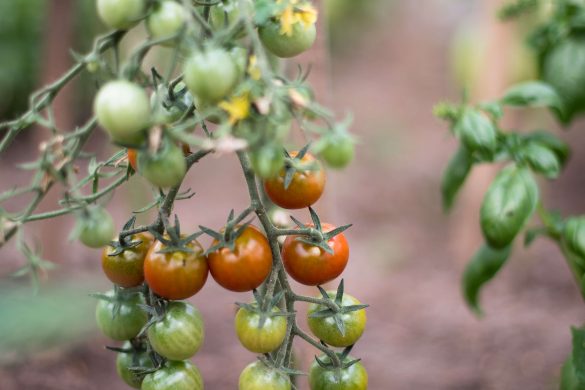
x: 454, y: 177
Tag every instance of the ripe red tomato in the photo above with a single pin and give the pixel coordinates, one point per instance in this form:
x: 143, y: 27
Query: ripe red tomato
x: 175, y: 275
x: 311, y: 265
x: 127, y: 269
x: 304, y: 190
x: 247, y: 266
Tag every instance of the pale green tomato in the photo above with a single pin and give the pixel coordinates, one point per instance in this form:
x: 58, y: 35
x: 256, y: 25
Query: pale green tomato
x: 285, y: 46
x: 166, y: 20
x: 210, y: 75
x: 121, y: 14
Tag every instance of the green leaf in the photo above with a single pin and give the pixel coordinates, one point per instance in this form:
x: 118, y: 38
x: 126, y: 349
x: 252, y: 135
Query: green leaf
x: 484, y: 265
x: 477, y: 132
x: 454, y: 177
x: 533, y: 94
x: 578, y: 356
x: 542, y: 160
x: 558, y: 146
x: 508, y: 205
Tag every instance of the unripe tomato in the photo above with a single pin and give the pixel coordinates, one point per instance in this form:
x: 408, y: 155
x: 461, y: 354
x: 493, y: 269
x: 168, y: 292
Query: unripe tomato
x: 326, y: 330
x: 121, y: 14
x: 182, y: 375
x: 267, y: 162
x: 180, y: 333
x: 124, y: 361
x: 507, y: 205
x: 121, y: 320
x: 353, y: 378
x: 210, y: 75
x: 338, y: 152
x: 164, y: 168
x: 96, y: 229
x: 286, y: 46
x: 247, y: 266
x: 224, y: 14
x: 123, y: 110
x: 127, y: 268
x: 176, y: 275
x: 311, y: 265
x: 166, y: 19
x: 304, y: 190
x: 165, y: 111
x: 258, y: 376
x: 260, y: 340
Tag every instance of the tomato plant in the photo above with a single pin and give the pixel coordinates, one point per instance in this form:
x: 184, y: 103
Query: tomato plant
x: 324, y: 377
x: 219, y: 90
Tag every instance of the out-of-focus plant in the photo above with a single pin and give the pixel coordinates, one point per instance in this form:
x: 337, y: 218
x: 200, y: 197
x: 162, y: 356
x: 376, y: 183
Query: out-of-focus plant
x: 218, y: 92
x: 514, y: 197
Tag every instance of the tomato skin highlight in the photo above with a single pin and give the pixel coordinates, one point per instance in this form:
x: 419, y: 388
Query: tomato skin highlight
x: 127, y: 269
x: 247, y: 266
x: 175, y: 275
x: 258, y: 376
x: 120, y: 14
x: 260, y: 340
x: 179, y: 334
x: 311, y: 265
x: 352, y: 378
x: 304, y: 190
x: 122, y: 108
x: 284, y: 46
x: 182, y: 375
x: 135, y: 359
x: 326, y: 330
x: 122, y: 324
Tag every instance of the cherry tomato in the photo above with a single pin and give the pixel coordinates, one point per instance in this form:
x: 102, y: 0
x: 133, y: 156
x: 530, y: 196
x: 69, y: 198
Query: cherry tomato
x: 258, y: 376
x: 179, y: 334
x: 311, y: 265
x: 304, y: 190
x: 285, y: 46
x: 176, y: 275
x: 132, y: 154
x: 353, y: 378
x: 121, y: 320
x: 124, y: 361
x: 127, y: 269
x: 210, y: 75
x: 96, y: 229
x: 123, y: 110
x: 260, y: 340
x: 166, y: 19
x: 247, y: 266
x: 182, y: 375
x: 325, y: 329
x: 164, y: 168
x: 121, y: 14
x: 338, y: 152
x: 224, y: 14
x: 167, y: 111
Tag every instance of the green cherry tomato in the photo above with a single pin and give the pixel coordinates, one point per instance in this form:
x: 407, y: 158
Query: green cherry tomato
x: 179, y: 334
x: 132, y: 359
x: 121, y: 14
x: 123, y: 110
x: 182, y: 375
x: 122, y: 319
x: 354, y: 377
x: 338, y: 152
x: 210, y: 75
x: 326, y: 329
x: 260, y: 340
x: 165, y: 110
x: 164, y: 168
x: 127, y: 268
x: 285, y: 46
x: 258, y: 376
x: 166, y: 20
x: 224, y: 15
x: 267, y: 161
x: 96, y: 229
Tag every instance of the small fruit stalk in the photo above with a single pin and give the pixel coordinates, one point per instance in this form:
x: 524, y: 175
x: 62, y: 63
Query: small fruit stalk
x: 514, y: 197
x: 222, y: 93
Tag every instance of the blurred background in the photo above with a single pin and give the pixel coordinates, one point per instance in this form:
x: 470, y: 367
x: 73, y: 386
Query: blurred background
x: 388, y: 62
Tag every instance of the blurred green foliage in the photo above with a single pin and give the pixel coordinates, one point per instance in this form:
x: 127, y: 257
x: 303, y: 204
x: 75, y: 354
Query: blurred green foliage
x: 21, y: 26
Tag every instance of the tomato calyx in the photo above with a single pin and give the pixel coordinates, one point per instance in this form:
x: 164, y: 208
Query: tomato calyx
x: 125, y: 240
x: 295, y: 164
x: 226, y: 238
x: 272, y: 362
x: 314, y: 234
x: 345, y: 362
x: 335, y: 308
x: 263, y: 307
x: 173, y: 241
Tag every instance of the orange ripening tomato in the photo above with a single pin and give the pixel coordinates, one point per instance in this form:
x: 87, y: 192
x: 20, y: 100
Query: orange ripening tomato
x: 311, y: 265
x: 304, y: 190
x: 127, y: 269
x: 247, y: 266
x: 176, y: 275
